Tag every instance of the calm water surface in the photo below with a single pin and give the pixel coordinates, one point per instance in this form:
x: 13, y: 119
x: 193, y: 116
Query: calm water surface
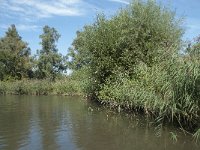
x: 71, y: 123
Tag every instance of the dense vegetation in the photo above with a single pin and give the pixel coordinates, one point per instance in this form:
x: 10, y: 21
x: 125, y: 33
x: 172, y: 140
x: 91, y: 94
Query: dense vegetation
x: 14, y: 56
x: 66, y: 86
x: 133, y: 60
x: 16, y: 62
x: 49, y: 63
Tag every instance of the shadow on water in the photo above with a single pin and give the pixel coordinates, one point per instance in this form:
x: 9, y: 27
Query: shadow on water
x: 51, y: 122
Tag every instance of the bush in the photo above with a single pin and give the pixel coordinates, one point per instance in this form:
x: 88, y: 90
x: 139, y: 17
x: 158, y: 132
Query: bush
x: 167, y: 91
x: 145, y: 32
x: 67, y: 87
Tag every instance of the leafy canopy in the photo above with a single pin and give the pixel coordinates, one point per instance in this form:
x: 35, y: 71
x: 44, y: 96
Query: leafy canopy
x: 143, y: 33
x: 50, y: 63
x: 14, y: 56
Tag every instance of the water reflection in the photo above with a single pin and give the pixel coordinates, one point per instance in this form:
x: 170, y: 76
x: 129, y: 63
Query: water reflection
x: 13, y: 126
x: 50, y: 122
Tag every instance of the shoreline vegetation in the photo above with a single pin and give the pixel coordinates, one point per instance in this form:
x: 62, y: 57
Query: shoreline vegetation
x: 65, y: 87
x: 134, y: 60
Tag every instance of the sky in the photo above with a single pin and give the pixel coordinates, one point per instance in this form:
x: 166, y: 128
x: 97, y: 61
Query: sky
x: 69, y: 16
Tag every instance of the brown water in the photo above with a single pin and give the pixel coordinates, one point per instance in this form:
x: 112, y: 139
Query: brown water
x: 71, y: 123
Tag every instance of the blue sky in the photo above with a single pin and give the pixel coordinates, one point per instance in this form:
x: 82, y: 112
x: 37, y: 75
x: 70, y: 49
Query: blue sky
x: 68, y: 16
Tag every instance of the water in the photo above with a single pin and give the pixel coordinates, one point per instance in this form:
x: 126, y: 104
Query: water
x: 71, y: 123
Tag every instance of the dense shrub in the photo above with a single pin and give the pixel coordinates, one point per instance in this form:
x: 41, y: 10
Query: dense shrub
x: 166, y: 90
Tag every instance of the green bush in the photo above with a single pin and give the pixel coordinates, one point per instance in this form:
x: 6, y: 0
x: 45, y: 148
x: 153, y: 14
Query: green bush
x: 144, y: 32
x: 133, y: 61
x: 67, y: 87
x: 168, y: 91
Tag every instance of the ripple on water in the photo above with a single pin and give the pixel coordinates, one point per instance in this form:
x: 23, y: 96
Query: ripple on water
x: 48, y: 122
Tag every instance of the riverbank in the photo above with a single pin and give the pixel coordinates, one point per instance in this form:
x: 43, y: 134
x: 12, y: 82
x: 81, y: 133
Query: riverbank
x: 137, y: 60
x: 41, y: 87
x: 57, y: 122
x: 120, y: 97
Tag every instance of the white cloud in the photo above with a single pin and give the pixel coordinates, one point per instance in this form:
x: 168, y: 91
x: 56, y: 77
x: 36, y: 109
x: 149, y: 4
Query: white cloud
x: 121, y: 1
x: 25, y: 14
x: 42, y: 8
x: 3, y: 26
x: 21, y: 27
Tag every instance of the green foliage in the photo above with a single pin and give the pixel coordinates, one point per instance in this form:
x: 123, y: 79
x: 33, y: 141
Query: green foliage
x: 82, y: 77
x: 66, y: 86
x: 3, y: 88
x: 168, y: 91
x: 196, y: 135
x: 133, y: 61
x: 50, y: 63
x: 142, y: 33
x: 174, y: 136
x: 14, y: 56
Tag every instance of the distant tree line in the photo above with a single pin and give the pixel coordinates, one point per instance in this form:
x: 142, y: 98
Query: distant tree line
x: 17, y: 63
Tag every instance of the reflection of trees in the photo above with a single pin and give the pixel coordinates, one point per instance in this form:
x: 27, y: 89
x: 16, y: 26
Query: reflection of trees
x: 36, y: 123
x: 55, y: 122
x: 14, y: 121
x: 29, y: 122
x: 106, y: 129
x: 50, y: 117
x: 71, y: 123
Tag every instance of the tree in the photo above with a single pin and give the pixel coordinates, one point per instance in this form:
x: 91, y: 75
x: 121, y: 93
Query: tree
x: 50, y: 62
x: 143, y: 33
x: 14, y: 55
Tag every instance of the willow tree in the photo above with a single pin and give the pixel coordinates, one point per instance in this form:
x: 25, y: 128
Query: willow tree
x: 14, y: 56
x: 50, y: 62
x: 143, y: 33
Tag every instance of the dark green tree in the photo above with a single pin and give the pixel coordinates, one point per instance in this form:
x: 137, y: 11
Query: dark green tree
x: 50, y: 63
x: 14, y: 56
